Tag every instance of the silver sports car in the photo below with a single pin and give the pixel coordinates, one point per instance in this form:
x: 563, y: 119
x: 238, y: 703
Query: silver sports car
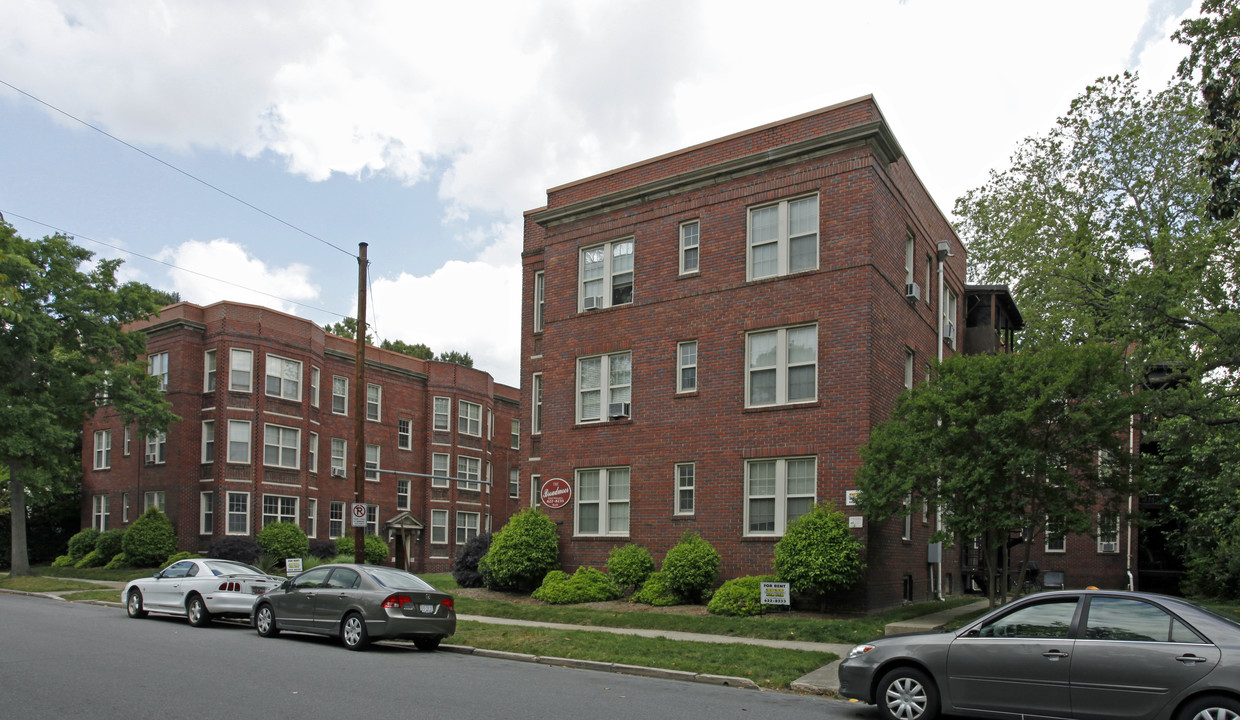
x: 1091, y: 654
x: 358, y: 603
x: 200, y: 589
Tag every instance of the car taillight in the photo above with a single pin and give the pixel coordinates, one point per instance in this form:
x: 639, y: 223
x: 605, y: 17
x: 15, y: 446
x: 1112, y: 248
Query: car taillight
x: 395, y: 602
x: 447, y: 603
x: 230, y: 587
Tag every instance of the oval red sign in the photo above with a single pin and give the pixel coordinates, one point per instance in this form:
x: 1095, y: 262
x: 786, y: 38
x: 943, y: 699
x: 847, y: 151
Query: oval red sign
x: 555, y: 493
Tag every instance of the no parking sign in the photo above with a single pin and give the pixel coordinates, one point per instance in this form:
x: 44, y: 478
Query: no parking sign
x: 358, y: 511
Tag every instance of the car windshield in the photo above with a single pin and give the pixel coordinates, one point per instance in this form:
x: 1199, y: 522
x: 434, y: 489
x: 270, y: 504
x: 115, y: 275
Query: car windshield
x: 397, y: 579
x: 229, y: 567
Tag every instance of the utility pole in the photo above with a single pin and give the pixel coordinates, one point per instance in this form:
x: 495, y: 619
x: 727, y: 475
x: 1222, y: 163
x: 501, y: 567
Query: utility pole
x: 359, y: 406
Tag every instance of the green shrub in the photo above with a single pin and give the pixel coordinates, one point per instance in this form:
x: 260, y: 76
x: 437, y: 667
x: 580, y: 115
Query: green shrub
x: 283, y: 540
x: 236, y: 548
x: 63, y: 561
x: 691, y: 567
x: 630, y: 565
x: 465, y: 565
x: 374, y: 550
x: 150, y: 539
x: 109, y: 543
x: 586, y: 585
x: 322, y: 548
x: 185, y: 555
x: 521, y: 553
x: 82, y: 543
x: 819, y: 553
x: 740, y: 597
x: 655, y: 591
x: 92, y: 559
x: 117, y: 562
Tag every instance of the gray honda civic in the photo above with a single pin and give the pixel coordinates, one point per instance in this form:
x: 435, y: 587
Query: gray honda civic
x: 1082, y: 654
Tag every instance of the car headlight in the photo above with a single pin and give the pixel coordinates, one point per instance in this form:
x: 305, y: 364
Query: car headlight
x: 859, y: 651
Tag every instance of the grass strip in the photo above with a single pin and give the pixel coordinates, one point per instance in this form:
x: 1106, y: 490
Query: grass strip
x: 35, y: 583
x: 768, y: 667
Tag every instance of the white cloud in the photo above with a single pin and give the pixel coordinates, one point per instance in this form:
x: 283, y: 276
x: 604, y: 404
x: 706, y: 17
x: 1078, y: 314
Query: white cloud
x: 208, y: 272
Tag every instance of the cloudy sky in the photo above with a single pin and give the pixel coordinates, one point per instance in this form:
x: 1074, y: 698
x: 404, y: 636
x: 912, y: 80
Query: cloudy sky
x: 251, y: 145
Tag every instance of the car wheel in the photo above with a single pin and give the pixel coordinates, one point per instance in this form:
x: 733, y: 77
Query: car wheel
x: 133, y: 605
x: 427, y: 644
x: 907, y: 694
x: 353, y: 632
x: 1211, y: 707
x: 197, y: 612
x: 265, y: 621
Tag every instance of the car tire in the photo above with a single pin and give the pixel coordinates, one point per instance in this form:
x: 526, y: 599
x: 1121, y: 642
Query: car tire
x: 265, y: 621
x: 196, y: 611
x: 133, y: 604
x: 427, y: 644
x: 1210, y: 707
x: 907, y: 693
x: 353, y: 632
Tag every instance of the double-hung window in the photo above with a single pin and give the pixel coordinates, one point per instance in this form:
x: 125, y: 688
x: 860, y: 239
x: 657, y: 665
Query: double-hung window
x: 238, y: 513
x: 340, y: 395
x: 402, y: 494
x: 689, y: 239
x: 312, y: 517
x: 103, y: 449
x: 1108, y: 532
x: 1056, y: 538
x: 279, y: 508
x: 340, y: 447
x: 335, y: 520
x: 606, y: 274
x: 469, y: 418
x: 536, y: 391
x: 439, y: 527
x: 283, y: 378
x: 778, y: 491
x: 685, y: 476
x: 602, y: 501
x: 157, y: 449
x: 514, y: 482
x: 404, y: 433
x: 466, y: 526
x: 949, y: 317
x: 157, y: 365
x: 783, y: 238
x: 281, y: 446
x: 514, y: 434
x: 99, y: 513
x: 781, y: 366
x: 315, y: 374
x: 374, y: 401
x: 441, y: 413
x: 469, y: 470
x: 208, y: 441
x: 312, y: 453
x: 155, y: 499
x: 540, y: 299
x: 604, y: 387
x: 209, y: 362
x: 372, y: 462
x: 686, y: 366
x: 239, y: 441
x: 240, y: 370
x: 206, y: 512
x: 439, y: 470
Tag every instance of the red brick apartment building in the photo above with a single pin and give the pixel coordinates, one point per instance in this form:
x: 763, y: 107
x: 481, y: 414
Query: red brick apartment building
x: 267, y: 434
x: 709, y: 336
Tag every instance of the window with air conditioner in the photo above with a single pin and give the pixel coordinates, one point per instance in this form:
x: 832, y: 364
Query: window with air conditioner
x: 604, y: 385
x: 606, y: 275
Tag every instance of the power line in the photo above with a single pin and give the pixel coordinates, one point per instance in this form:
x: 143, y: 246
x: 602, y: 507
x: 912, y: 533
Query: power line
x: 173, y: 167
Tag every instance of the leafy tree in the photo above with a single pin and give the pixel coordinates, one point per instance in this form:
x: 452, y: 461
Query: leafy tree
x: 818, y: 553
x: 458, y: 358
x: 149, y: 540
x: 67, y: 349
x: 522, y: 552
x: 1214, y: 42
x: 417, y: 350
x: 347, y: 328
x: 1000, y: 443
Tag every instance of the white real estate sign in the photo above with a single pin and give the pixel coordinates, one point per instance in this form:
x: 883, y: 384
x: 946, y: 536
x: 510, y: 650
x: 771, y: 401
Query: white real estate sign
x: 776, y: 593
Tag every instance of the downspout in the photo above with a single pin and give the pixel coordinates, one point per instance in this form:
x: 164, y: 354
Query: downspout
x: 1132, y: 441
x: 944, y: 252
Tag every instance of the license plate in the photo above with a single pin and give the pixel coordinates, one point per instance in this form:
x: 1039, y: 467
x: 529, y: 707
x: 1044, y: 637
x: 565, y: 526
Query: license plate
x: 426, y: 608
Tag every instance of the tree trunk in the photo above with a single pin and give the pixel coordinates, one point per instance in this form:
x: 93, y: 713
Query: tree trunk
x: 19, y: 559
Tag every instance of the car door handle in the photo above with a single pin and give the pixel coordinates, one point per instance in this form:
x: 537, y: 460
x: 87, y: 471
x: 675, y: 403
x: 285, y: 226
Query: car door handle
x: 1190, y: 659
x: 1054, y: 654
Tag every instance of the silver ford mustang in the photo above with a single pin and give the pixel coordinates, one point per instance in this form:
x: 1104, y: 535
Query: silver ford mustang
x: 200, y: 589
x: 1085, y: 654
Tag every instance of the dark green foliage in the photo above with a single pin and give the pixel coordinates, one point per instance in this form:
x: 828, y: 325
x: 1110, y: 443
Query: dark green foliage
x: 740, y: 597
x: 655, y: 591
x: 521, y: 553
x: 417, y: 350
x: 465, y: 564
x: 110, y: 543
x: 64, y: 561
x: 240, y: 549
x: 117, y: 562
x: 457, y: 357
x: 150, y: 539
x: 629, y: 565
x: 283, y: 540
x: 691, y: 567
x: 92, y: 559
x: 322, y: 548
x: 374, y: 550
x: 818, y: 553
x: 82, y: 543
x: 585, y: 585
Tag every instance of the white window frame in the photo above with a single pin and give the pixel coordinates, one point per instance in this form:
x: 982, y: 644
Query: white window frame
x: 1056, y: 538
x: 442, y: 413
x: 125, y: 443
x: 1108, y: 532
x: 466, y: 526
x: 285, y: 442
x: 440, y: 469
x: 240, y: 370
x: 687, y: 366
x: 535, y: 490
x: 372, y: 519
x: 439, y: 527
x: 779, y: 493
x: 690, y: 247
x: 404, y: 433
x: 237, y: 513
x: 335, y: 519
x: 103, y: 450
x: 909, y: 256
x: 125, y: 507
x: 240, y: 436
x: 157, y: 365
x: 610, y: 281
x: 469, y: 418
x: 206, y: 512
x: 469, y: 470
x: 536, y: 392
x: 782, y: 365
x: 402, y: 493
x: 604, y: 499
x: 316, y: 376
x: 684, y: 479
x: 312, y: 453
x: 312, y: 517
x: 783, y: 239
x: 280, y: 508
x: 373, y: 452
x: 286, y: 374
x: 611, y: 388
x: 909, y: 362
x: 99, y: 513
x: 340, y: 395
x: 157, y: 448
x: 514, y: 482
x: 540, y: 299
x: 340, y: 453
x: 210, y: 366
x: 374, y: 402
x: 951, y: 334
x: 514, y: 434
x: 207, y: 444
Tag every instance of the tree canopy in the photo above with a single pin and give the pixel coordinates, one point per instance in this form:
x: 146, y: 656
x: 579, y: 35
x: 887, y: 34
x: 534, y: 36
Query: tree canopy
x: 63, y: 351
x: 417, y: 350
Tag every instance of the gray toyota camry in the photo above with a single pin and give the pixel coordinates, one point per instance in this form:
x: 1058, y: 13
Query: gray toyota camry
x: 358, y: 603
x: 1085, y: 654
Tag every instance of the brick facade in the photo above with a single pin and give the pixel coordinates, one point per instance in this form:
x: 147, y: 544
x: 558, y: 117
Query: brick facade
x: 279, y: 416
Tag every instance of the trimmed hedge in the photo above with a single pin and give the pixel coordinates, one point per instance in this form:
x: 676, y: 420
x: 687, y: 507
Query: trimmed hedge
x: 522, y: 552
x: 629, y: 565
x: 655, y: 591
x: 690, y: 568
x: 283, y: 540
x: 374, y: 550
x: 819, y: 552
x: 82, y: 543
x: 240, y: 549
x: 740, y: 597
x: 150, y: 539
x: 586, y: 585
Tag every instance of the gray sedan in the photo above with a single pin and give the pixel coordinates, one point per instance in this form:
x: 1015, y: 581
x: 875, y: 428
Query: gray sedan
x: 358, y: 603
x: 1088, y: 654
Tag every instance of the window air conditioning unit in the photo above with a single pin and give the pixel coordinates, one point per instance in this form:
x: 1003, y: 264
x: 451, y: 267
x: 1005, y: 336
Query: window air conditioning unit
x: 617, y: 410
x: 912, y: 291
x: 950, y: 333
x: 594, y: 302
x: 337, y: 472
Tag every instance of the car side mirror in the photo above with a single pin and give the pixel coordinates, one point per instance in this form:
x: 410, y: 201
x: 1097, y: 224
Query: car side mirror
x: 157, y: 574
